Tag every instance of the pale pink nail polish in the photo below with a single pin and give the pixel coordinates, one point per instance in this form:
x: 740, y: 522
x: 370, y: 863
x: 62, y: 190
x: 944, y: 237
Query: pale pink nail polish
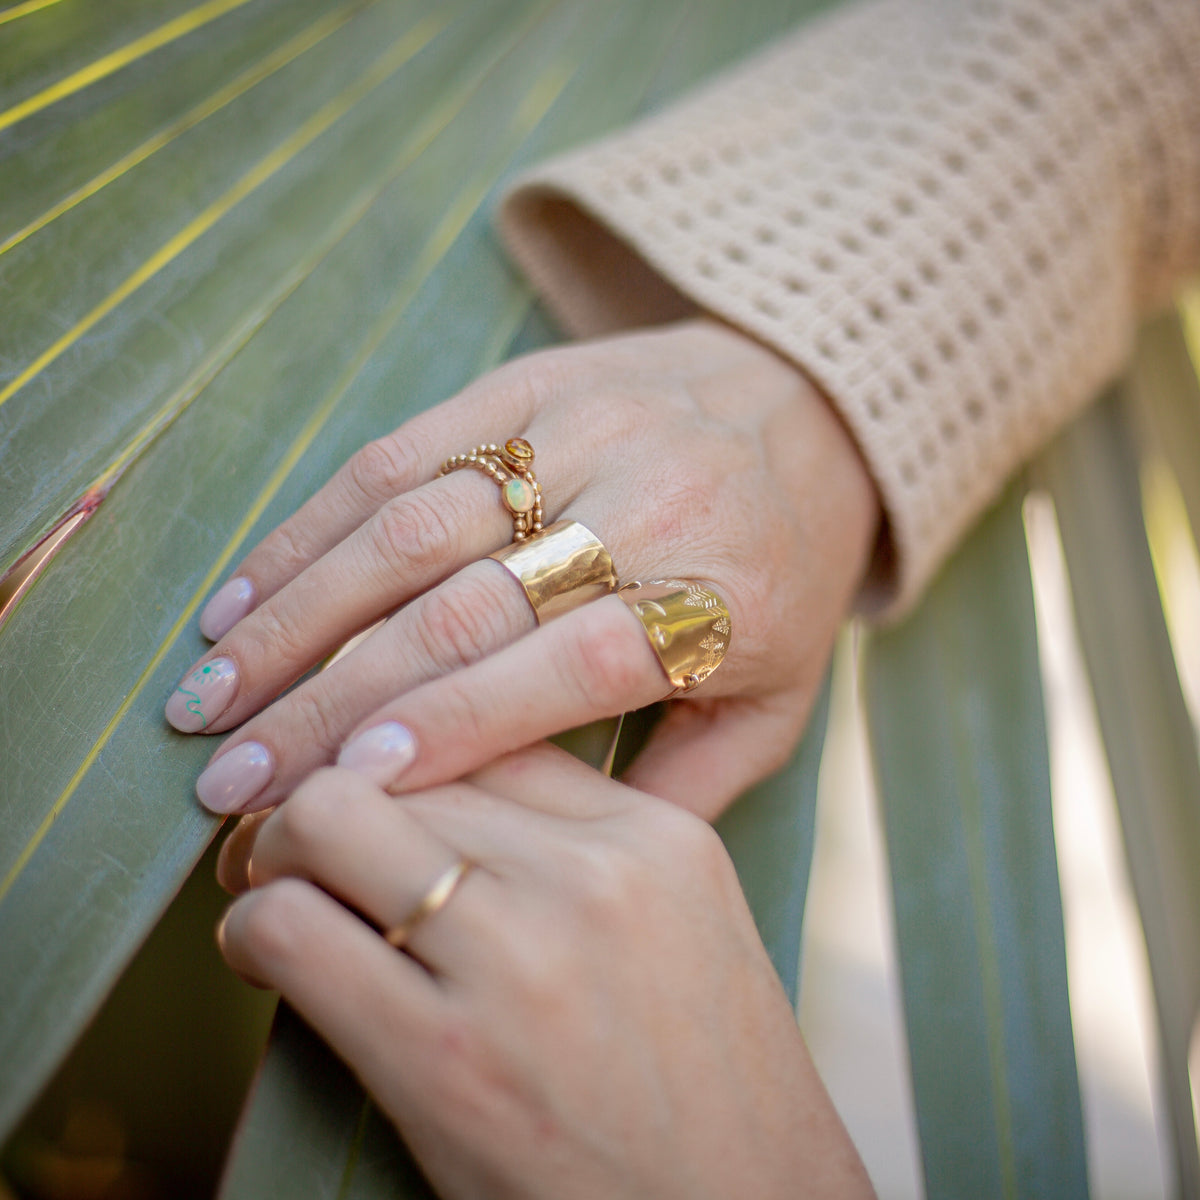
x: 228, y: 783
x: 203, y: 695
x: 382, y: 753
x: 226, y: 608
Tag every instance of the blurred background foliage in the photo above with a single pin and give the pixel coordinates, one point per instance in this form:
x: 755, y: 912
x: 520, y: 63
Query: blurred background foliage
x: 237, y: 239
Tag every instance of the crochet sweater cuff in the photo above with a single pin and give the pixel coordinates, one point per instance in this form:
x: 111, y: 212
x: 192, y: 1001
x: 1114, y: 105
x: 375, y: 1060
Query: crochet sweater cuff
x: 946, y: 212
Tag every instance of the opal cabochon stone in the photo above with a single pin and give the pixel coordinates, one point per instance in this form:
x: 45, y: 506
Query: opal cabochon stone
x: 518, y: 495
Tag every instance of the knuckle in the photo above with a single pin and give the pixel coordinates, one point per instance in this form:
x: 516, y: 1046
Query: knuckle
x: 693, y: 848
x: 625, y: 415
x: 274, y: 926
x: 312, y: 721
x: 278, y: 637
x: 695, y: 842
x: 382, y: 469
x: 538, y: 378
x: 605, y: 669
x: 287, y: 549
x: 605, y: 880
x: 683, y: 505
x: 414, y: 535
x: 457, y: 627
x: 544, y: 973
x: 308, y: 818
x: 473, y: 1078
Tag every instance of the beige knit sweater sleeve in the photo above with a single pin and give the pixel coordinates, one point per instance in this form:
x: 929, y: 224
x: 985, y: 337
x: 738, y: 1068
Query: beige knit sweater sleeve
x: 948, y: 212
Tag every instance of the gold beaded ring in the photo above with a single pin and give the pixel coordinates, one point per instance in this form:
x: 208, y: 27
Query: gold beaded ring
x: 511, y: 466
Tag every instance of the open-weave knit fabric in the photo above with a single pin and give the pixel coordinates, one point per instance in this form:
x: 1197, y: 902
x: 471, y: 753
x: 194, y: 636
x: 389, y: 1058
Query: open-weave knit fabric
x: 949, y: 213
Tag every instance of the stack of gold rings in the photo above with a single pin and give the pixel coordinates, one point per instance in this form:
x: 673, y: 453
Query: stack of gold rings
x: 511, y: 466
x: 566, y: 565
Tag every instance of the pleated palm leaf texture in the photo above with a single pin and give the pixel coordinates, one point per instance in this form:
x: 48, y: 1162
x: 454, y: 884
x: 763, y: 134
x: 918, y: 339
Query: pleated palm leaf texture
x: 239, y: 238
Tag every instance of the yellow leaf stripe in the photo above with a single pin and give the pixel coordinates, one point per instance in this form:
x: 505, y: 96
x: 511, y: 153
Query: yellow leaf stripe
x: 260, y: 71
x: 300, y: 140
x: 109, y: 64
x: 433, y: 123
x: 23, y: 10
x: 537, y: 103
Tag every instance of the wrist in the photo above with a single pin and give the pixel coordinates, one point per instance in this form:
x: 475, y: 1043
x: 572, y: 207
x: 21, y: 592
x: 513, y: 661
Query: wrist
x: 814, y: 454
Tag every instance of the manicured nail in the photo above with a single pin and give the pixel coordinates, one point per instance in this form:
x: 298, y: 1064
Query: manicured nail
x: 202, y: 695
x: 382, y: 753
x: 228, y: 782
x: 220, y: 930
x: 230, y: 604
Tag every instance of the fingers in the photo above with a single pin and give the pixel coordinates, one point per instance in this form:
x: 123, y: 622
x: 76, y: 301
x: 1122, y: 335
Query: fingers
x: 383, y: 1008
x: 704, y: 754
x: 594, y: 662
x: 540, y: 777
x: 406, y: 547
x: 382, y: 470
x: 377, y: 473
x: 385, y: 529
x: 233, y: 862
x: 339, y: 831
x: 477, y: 612
x: 548, y: 779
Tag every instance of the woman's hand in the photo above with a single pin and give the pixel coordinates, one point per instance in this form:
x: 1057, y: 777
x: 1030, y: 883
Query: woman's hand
x: 591, y: 1012
x: 692, y: 452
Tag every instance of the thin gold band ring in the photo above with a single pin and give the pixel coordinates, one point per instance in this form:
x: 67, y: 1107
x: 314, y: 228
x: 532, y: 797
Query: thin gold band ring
x: 431, y: 903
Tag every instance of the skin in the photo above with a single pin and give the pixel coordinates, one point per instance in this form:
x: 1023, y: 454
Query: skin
x: 591, y: 1014
x: 692, y: 451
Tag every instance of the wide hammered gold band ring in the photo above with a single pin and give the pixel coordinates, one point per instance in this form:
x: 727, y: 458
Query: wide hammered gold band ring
x: 560, y: 568
x: 430, y: 904
x: 687, y: 624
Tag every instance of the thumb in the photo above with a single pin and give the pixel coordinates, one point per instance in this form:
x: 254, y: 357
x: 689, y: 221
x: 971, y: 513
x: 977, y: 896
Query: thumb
x: 703, y: 754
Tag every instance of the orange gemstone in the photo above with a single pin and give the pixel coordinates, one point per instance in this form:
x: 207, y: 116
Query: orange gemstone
x: 519, y: 451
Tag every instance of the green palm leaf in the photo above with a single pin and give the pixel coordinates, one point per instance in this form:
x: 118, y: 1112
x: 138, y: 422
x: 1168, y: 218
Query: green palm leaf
x: 240, y: 237
x: 1166, y: 390
x: 230, y: 262
x: 99, y: 825
x: 1092, y: 474
x: 959, y: 739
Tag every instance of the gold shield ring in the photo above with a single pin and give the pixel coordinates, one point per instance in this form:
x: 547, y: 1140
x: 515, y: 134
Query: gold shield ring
x: 687, y: 624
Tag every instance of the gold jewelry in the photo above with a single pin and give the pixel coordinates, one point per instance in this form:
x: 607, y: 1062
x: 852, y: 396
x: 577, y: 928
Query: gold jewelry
x: 688, y: 626
x: 560, y: 568
x: 434, y: 900
x: 511, y: 466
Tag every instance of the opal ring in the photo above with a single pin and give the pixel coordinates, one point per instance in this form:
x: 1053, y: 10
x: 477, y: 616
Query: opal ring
x: 511, y: 466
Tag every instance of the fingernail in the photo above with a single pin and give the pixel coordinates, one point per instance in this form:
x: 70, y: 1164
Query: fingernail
x: 230, y: 604
x: 228, y: 782
x: 202, y: 695
x: 382, y: 753
x: 220, y: 930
